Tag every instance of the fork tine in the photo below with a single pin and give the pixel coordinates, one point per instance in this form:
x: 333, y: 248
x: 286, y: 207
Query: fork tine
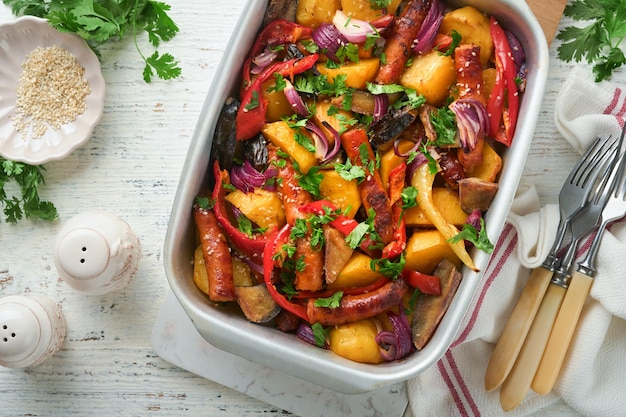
x: 600, y: 153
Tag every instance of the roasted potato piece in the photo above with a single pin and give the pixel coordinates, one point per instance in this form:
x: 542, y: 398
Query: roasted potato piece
x: 356, y: 273
x: 476, y: 194
x: 200, y: 276
x: 473, y: 26
x: 363, y: 10
x: 425, y: 249
x: 281, y: 135
x: 446, y: 201
x: 356, y: 341
x: 260, y: 206
x: 344, y: 194
x: 431, y: 75
x: 315, y: 12
x: 429, y: 309
x: 256, y: 303
x: 358, y: 74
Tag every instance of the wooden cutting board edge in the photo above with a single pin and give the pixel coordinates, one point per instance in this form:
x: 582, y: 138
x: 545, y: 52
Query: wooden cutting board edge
x: 548, y: 13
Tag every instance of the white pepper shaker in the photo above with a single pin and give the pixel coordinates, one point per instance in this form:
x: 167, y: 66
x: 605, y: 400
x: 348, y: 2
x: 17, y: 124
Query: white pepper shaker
x: 32, y: 328
x: 97, y: 252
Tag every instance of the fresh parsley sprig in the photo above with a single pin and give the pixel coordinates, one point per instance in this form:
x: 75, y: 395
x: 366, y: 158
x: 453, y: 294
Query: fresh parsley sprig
x: 98, y: 21
x: 27, y: 204
x: 599, y: 41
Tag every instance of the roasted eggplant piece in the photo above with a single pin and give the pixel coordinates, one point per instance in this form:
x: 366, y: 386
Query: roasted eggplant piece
x: 280, y: 9
x: 386, y: 129
x: 225, y: 146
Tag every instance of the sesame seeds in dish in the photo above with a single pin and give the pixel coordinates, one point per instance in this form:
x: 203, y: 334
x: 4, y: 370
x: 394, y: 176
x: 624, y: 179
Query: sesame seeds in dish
x: 51, y: 91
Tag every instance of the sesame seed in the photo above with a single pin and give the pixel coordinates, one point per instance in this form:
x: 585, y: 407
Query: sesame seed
x: 51, y: 91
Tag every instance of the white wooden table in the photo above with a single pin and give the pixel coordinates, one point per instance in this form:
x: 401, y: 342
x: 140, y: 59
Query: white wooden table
x: 131, y: 167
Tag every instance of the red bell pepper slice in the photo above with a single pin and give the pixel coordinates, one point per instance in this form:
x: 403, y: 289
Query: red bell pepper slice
x: 427, y: 284
x: 278, y: 32
x: 278, y: 237
x: 503, y: 105
x: 251, y: 114
x: 396, y: 186
x: 250, y: 246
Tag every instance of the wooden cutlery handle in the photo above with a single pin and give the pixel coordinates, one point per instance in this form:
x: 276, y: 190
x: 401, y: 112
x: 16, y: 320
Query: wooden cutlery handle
x: 514, y: 333
x: 517, y: 383
x: 562, y: 333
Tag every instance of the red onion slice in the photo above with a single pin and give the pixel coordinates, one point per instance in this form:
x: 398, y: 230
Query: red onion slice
x: 472, y: 121
x: 428, y: 31
x: 381, y: 105
x: 246, y: 178
x: 294, y: 99
x: 329, y: 39
x: 395, y: 344
x: 263, y: 60
x: 354, y: 30
x: 336, y: 146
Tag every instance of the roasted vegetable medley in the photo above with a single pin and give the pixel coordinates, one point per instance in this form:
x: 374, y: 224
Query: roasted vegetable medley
x: 351, y: 172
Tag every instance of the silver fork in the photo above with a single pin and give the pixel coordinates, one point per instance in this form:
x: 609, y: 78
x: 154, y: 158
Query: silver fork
x: 573, y: 197
x: 578, y: 288
x: 521, y: 377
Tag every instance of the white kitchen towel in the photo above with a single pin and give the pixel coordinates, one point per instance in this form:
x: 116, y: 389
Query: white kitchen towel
x: 594, y: 372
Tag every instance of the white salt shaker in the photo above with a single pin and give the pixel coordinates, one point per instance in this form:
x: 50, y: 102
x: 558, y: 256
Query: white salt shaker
x: 32, y: 328
x: 97, y: 252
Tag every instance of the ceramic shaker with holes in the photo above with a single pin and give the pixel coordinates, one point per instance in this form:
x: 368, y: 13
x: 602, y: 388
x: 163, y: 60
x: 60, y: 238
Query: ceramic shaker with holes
x: 32, y: 329
x: 97, y: 252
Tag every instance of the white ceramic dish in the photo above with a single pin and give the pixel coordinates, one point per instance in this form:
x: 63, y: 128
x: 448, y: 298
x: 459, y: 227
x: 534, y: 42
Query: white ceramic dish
x: 231, y: 332
x: 18, y: 38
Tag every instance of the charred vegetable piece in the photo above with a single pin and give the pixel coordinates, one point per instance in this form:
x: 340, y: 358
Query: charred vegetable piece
x: 225, y: 146
x: 256, y: 303
x: 476, y: 194
x: 391, y: 125
x: 280, y: 10
x: 255, y: 152
x: 429, y: 309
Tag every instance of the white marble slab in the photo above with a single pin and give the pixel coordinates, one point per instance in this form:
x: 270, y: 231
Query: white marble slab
x: 175, y: 339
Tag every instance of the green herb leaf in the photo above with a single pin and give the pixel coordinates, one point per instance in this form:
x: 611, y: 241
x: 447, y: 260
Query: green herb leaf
x: 28, y: 204
x: 100, y: 21
x: 330, y: 302
x: 599, y: 41
x: 479, y: 239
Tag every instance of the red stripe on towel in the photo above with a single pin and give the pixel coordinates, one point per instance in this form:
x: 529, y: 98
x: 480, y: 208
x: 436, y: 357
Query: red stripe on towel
x: 453, y: 391
x: 613, y: 103
x: 461, y: 384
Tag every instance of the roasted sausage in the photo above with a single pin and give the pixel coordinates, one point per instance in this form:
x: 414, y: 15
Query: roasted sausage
x: 371, y: 188
x: 293, y: 196
x: 216, y: 255
x: 400, y: 41
x: 357, y: 307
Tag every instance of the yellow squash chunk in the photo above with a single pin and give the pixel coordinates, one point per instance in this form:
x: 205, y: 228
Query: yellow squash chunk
x: 260, y: 206
x: 344, y: 194
x: 277, y: 104
x: 473, y: 26
x: 425, y: 249
x: 423, y: 181
x: 358, y: 74
x: 356, y: 341
x: 315, y: 12
x: 447, y: 202
x: 337, y: 118
x: 431, y: 75
x: 242, y: 275
x: 363, y: 10
x: 389, y: 160
x: 490, y: 167
x: 281, y: 135
x: 356, y: 273
x: 200, y: 275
